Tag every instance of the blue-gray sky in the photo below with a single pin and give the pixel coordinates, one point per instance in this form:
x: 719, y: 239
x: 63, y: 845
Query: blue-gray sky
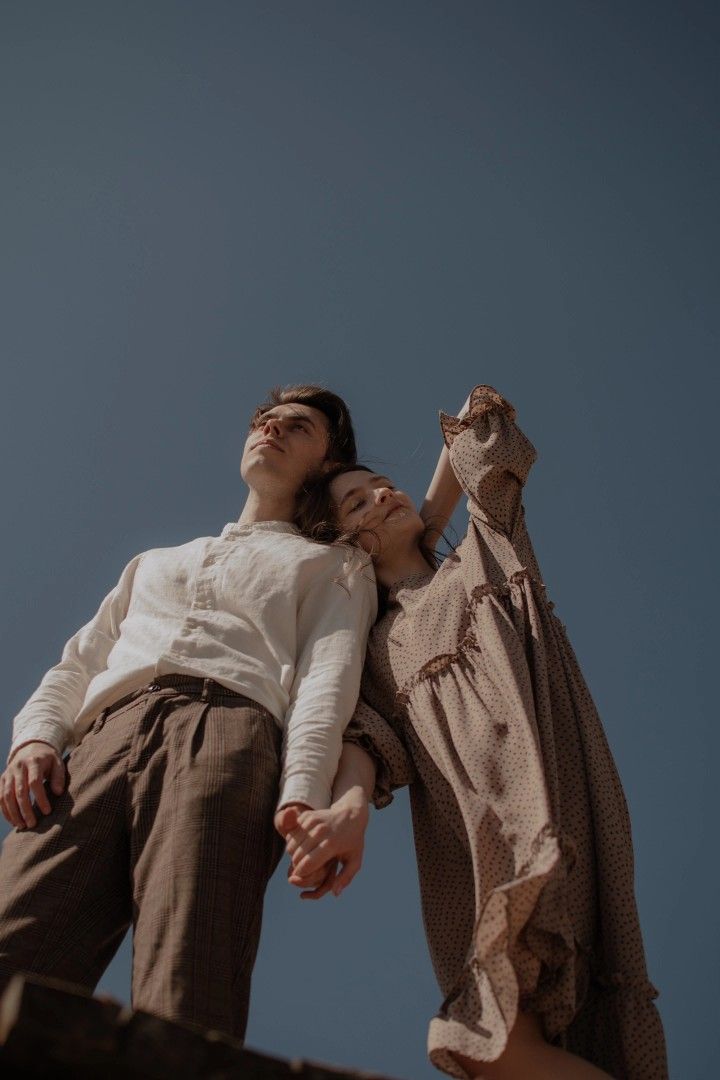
x: 398, y: 199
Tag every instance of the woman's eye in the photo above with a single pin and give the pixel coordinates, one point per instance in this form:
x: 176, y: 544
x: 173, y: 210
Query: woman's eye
x: 356, y: 506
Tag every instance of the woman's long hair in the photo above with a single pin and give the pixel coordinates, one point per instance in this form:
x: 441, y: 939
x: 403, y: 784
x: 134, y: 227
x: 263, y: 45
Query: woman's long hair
x: 317, y: 519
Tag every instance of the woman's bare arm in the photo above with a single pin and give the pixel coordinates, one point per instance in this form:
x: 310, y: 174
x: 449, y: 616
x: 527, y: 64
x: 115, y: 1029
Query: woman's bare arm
x: 322, y: 838
x: 443, y: 494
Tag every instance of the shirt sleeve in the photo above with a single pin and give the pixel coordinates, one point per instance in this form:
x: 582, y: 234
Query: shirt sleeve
x: 378, y: 738
x: 49, y: 713
x: 490, y: 457
x: 333, y: 625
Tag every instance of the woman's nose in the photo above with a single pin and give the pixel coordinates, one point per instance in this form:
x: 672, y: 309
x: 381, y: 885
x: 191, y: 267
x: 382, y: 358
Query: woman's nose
x: 382, y: 494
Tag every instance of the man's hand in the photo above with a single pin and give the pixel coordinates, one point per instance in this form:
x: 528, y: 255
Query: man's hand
x: 286, y: 819
x: 322, y: 838
x: 29, y: 768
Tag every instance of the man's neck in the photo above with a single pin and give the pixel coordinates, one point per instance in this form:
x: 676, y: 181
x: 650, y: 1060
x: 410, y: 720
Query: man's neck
x: 267, y: 506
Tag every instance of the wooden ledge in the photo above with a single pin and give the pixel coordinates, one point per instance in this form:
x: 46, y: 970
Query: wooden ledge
x: 53, y: 1029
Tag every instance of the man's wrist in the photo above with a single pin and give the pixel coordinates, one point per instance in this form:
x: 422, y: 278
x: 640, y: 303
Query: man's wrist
x: 300, y: 806
x: 27, y: 742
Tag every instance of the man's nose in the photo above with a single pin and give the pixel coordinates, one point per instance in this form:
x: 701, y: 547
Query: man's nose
x: 273, y: 427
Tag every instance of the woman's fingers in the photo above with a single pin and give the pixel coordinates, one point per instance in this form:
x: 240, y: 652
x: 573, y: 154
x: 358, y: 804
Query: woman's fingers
x: 334, y: 881
x: 308, y: 845
x: 313, y: 876
x: 346, y: 875
x: 324, y: 887
x: 305, y: 864
x: 307, y: 832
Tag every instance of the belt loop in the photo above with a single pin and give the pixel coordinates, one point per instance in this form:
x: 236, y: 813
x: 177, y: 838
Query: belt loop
x: 206, y: 688
x: 100, y: 722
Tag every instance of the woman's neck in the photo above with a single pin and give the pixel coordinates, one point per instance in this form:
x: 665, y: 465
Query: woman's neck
x: 402, y: 564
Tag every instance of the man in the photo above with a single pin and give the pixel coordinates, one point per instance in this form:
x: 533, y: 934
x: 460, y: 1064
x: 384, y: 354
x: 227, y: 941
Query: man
x: 212, y: 673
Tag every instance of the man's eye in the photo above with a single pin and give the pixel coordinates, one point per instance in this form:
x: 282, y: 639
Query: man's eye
x: 300, y: 427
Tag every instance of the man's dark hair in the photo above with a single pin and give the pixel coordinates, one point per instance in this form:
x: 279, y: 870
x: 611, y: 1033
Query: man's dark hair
x: 341, y: 444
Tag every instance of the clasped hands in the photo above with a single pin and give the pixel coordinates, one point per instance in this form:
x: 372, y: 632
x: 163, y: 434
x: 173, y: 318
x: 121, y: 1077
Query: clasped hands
x: 325, y: 846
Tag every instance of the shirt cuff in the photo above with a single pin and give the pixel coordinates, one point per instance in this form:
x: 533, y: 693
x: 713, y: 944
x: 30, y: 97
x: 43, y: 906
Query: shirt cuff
x: 40, y: 731
x: 300, y: 789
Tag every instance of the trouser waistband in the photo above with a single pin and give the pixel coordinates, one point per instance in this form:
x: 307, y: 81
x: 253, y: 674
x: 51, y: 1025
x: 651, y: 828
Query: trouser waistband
x: 206, y: 689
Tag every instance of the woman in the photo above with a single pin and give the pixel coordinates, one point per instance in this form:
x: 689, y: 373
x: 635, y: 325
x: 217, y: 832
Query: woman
x: 521, y: 826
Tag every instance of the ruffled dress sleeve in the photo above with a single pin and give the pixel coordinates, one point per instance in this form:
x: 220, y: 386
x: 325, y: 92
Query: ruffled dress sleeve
x: 490, y: 456
x: 377, y: 737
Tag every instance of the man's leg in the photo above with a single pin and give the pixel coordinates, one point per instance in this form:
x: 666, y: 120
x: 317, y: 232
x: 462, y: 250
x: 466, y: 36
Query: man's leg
x: 65, y: 901
x: 204, y: 780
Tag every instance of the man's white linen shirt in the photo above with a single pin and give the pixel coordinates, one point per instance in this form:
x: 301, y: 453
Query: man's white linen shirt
x: 260, y: 609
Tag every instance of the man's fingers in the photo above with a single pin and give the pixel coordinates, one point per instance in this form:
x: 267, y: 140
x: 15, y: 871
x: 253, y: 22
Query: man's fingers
x: 7, y: 812
x: 286, y: 820
x: 11, y: 807
x: 22, y: 794
x: 37, y: 788
x: 57, y: 776
x: 294, y: 839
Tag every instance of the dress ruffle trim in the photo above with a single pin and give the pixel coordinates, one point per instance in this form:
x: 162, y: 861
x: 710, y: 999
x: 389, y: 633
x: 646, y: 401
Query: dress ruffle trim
x: 527, y: 913
x: 483, y: 399
x: 468, y: 643
x: 488, y: 990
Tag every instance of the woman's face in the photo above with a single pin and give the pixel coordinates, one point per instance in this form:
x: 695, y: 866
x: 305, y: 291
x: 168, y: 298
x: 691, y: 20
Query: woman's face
x: 384, y: 518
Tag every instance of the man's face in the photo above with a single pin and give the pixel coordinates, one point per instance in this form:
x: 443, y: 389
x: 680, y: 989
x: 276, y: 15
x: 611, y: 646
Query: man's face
x: 285, y: 445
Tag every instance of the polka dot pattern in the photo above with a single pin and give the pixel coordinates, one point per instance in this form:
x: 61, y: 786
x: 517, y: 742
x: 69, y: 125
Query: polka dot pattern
x: 521, y: 826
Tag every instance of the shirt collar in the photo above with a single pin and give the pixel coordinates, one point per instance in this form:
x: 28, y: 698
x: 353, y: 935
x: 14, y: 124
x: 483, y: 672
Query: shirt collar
x: 234, y: 528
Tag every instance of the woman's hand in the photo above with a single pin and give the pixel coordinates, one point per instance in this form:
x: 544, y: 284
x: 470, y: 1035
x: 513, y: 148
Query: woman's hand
x: 29, y: 768
x: 323, y: 838
x: 315, y: 885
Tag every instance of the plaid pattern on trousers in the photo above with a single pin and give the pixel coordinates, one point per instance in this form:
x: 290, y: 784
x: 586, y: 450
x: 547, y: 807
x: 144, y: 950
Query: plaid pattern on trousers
x: 166, y: 824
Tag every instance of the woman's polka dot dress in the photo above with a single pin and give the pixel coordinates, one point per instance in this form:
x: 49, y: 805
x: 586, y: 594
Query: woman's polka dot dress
x: 521, y: 826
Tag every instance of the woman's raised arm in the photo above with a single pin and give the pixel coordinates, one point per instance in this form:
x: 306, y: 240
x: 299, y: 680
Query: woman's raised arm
x: 442, y: 495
